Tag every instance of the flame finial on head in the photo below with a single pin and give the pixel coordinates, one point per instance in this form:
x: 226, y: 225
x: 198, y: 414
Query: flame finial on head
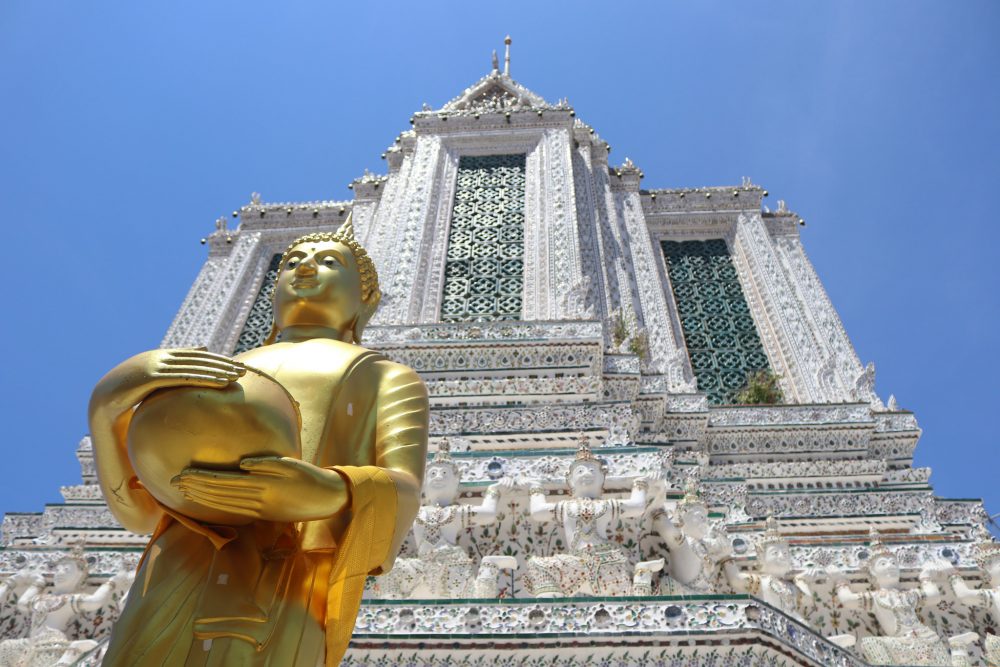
x: 346, y: 230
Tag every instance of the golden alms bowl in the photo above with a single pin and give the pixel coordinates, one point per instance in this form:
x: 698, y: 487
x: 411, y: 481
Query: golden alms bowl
x: 195, y: 427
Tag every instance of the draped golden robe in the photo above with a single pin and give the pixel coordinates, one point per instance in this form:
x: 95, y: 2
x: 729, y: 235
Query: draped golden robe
x: 286, y: 595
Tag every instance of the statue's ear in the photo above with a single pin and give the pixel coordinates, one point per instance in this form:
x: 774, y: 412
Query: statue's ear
x: 365, y: 314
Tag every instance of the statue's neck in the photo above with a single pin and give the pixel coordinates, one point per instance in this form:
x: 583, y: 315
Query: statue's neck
x: 297, y: 333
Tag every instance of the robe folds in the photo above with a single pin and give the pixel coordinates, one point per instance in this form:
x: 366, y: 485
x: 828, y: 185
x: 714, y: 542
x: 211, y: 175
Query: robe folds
x: 273, y: 594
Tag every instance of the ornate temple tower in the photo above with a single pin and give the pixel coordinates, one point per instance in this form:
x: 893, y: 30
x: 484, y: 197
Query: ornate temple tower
x: 542, y: 292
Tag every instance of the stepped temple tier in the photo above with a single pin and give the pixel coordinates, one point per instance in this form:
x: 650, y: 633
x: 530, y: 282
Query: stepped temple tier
x: 650, y: 439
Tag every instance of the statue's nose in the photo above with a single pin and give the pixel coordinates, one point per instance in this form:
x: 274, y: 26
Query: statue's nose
x: 306, y: 267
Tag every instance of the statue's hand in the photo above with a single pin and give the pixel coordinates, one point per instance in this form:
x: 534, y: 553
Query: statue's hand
x: 837, y: 576
x: 504, y: 485
x: 533, y: 485
x: 935, y: 569
x: 812, y: 575
x: 718, y: 545
x: 190, y: 367
x: 137, y: 377
x: 273, y: 488
x: 123, y: 580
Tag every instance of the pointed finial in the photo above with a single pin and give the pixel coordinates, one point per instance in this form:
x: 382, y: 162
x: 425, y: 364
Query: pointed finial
x: 506, y: 57
x: 876, y: 545
x: 442, y: 457
x: 496, y: 63
x: 347, y: 229
x: 76, y: 555
x: 584, y: 454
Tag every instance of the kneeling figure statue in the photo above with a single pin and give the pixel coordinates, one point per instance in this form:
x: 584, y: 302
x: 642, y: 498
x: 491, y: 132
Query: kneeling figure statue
x: 442, y: 568
x: 594, y: 564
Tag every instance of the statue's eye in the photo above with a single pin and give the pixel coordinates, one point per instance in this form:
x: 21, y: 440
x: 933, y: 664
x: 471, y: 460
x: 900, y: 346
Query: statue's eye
x: 292, y: 263
x: 329, y: 261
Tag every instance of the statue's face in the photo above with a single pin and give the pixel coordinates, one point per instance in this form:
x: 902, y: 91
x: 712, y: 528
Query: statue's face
x: 440, y: 482
x: 586, y: 479
x: 66, y: 576
x: 318, y: 285
x: 885, y: 570
x: 695, y: 518
x: 777, y: 559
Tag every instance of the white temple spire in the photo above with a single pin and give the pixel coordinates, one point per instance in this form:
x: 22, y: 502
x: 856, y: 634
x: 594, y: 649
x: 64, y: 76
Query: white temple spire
x: 506, y: 56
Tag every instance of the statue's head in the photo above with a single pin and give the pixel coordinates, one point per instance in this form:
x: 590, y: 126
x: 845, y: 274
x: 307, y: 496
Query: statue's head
x: 69, y: 572
x: 587, y: 472
x: 327, y: 279
x: 774, y: 554
x: 692, y: 513
x: 441, y: 477
x: 882, y: 566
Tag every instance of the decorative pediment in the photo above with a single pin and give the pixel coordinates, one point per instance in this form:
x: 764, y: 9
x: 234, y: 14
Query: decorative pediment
x: 496, y: 92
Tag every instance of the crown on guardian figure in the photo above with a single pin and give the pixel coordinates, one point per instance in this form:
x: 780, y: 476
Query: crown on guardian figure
x: 584, y: 454
x: 442, y: 457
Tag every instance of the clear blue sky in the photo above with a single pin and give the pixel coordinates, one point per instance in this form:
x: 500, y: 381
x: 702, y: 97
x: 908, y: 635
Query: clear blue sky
x: 128, y: 127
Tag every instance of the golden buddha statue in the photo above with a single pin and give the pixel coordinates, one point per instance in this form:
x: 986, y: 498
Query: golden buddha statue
x: 273, y: 482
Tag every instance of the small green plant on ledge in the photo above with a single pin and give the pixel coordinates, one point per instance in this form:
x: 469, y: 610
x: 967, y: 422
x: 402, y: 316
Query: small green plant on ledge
x: 619, y: 327
x: 639, y: 344
x: 762, y: 389
x: 626, y: 334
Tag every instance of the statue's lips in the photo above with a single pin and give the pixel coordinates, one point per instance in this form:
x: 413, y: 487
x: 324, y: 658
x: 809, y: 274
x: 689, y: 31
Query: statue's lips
x: 185, y: 427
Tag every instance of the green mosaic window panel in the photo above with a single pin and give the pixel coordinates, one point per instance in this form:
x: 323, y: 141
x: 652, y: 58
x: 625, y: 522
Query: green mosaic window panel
x: 484, y: 268
x: 721, y: 338
x: 258, y: 324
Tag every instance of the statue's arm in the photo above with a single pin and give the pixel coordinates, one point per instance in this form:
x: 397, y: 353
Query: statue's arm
x: 849, y: 598
x: 740, y: 581
x: 403, y: 414
x: 35, y: 586
x: 110, y: 413
x: 635, y: 505
x: 540, y: 510
x: 667, y: 529
x: 486, y: 513
x: 102, y: 596
x: 929, y: 574
x: 967, y: 595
